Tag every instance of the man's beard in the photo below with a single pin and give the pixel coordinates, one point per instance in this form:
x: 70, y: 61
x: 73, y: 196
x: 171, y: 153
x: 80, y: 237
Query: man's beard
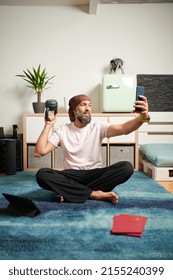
x: 82, y: 119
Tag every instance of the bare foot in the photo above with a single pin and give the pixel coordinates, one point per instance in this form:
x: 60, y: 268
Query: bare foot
x: 60, y: 199
x: 99, y: 195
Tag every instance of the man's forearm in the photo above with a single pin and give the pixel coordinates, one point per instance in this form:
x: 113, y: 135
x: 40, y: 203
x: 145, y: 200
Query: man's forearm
x: 40, y: 148
x: 132, y: 125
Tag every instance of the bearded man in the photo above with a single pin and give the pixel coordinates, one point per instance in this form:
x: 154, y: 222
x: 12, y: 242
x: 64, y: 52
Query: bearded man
x: 83, y: 176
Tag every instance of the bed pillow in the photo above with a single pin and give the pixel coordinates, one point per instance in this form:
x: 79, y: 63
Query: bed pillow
x: 158, y: 154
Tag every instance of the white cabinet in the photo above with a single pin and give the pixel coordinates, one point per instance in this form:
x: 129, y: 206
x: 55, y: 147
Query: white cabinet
x: 33, y: 127
x: 114, y: 149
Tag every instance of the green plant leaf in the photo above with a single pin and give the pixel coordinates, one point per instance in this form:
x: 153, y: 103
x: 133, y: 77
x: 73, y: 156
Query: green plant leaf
x: 37, y: 79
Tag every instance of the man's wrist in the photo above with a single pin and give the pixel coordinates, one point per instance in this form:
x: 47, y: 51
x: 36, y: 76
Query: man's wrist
x: 144, y: 120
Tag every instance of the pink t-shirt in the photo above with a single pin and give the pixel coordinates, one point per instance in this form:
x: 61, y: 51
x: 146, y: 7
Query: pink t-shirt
x: 81, y: 146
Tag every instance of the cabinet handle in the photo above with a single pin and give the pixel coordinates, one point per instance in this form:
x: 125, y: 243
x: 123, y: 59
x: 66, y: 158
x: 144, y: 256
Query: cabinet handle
x: 113, y: 87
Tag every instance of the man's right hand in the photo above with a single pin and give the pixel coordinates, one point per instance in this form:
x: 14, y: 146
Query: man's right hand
x: 52, y: 120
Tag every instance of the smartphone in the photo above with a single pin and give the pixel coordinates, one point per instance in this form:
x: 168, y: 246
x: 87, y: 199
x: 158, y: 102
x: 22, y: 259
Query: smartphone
x: 140, y: 90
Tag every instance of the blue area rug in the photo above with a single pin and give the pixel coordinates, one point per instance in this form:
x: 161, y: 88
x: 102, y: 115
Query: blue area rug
x: 79, y: 231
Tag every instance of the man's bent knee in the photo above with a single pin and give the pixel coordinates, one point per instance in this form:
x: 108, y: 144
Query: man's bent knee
x: 129, y: 168
x: 41, y: 172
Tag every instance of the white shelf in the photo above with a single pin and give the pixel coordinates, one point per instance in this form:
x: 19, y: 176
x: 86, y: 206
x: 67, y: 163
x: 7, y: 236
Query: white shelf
x: 33, y: 124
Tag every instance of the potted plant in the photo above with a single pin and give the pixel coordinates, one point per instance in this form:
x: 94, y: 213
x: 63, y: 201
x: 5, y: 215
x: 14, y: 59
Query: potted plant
x: 37, y: 80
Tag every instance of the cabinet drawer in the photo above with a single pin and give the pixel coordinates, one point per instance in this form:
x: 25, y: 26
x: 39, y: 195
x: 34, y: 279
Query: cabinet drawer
x: 34, y: 162
x: 121, y: 153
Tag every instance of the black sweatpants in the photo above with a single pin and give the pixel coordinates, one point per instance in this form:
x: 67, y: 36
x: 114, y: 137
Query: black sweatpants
x: 77, y: 185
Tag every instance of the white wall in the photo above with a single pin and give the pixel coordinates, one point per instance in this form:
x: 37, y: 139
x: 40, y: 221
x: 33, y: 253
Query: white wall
x: 77, y: 48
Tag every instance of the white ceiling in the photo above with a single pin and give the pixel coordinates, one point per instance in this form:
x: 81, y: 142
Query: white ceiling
x: 92, y: 4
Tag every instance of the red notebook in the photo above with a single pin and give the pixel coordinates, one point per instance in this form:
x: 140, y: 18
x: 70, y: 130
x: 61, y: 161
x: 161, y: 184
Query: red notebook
x: 126, y: 224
